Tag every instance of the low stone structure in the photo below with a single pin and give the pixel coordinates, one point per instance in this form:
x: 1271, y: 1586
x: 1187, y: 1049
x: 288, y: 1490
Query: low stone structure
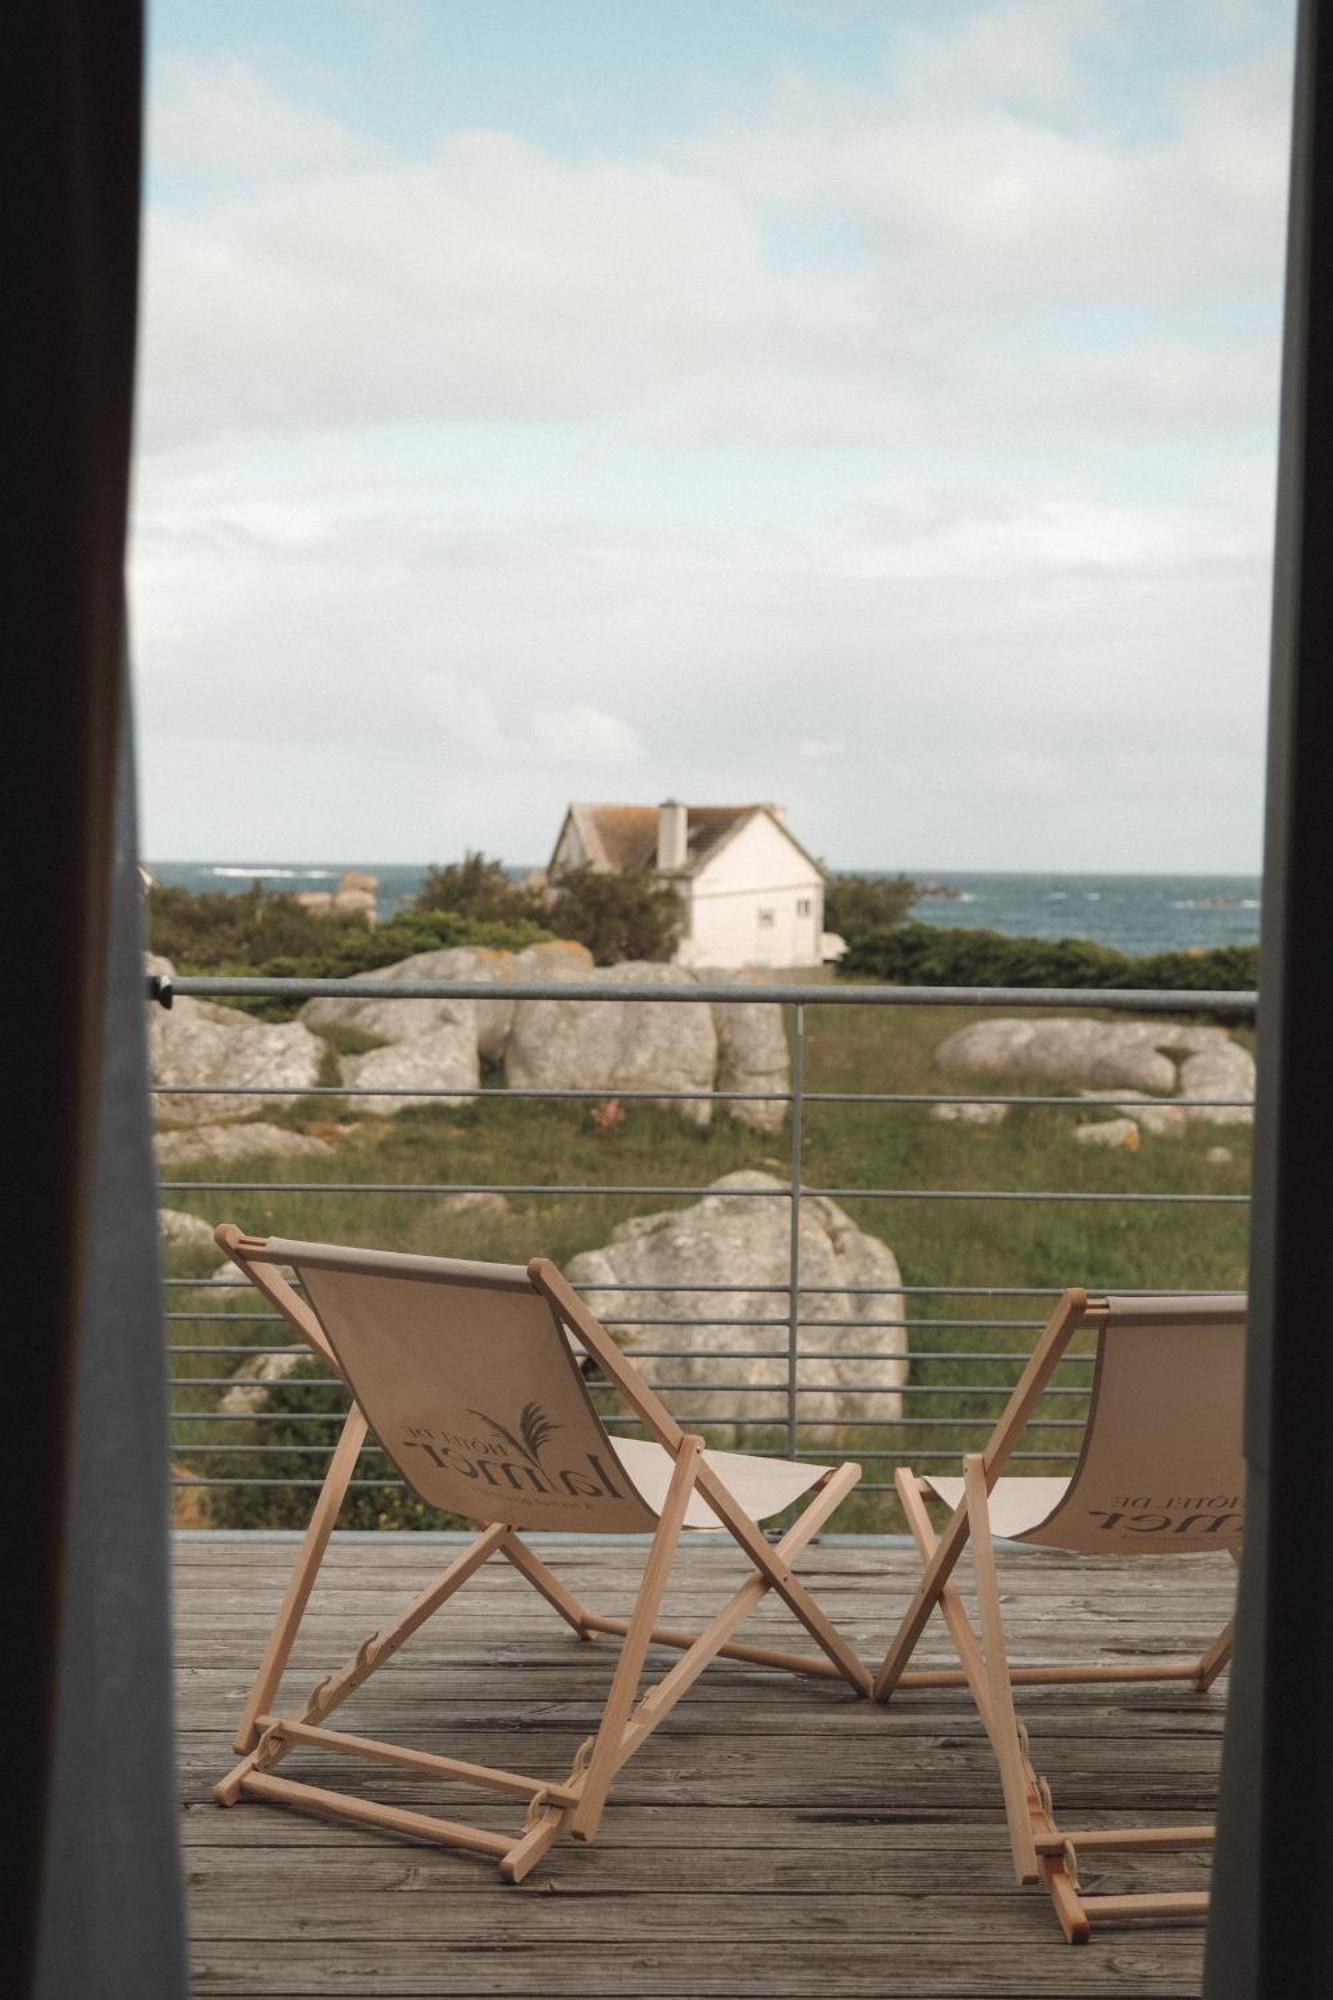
x: 610, y: 1046
x: 1148, y: 1113
x: 1219, y: 1068
x: 485, y: 1203
x: 970, y: 1114
x: 250, y: 1384
x: 740, y: 1239
x: 489, y: 1020
x: 1109, y: 1132
x: 598, y: 1045
x: 357, y: 895
x: 1166, y: 1058
x: 237, y: 1142
x: 198, y: 1042
x: 642, y: 1045
x: 178, y: 1230
x: 752, y: 1055
x: 443, y: 1058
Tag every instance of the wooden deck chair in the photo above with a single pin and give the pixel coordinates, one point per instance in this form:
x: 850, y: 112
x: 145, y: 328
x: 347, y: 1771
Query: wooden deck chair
x: 1160, y: 1471
x: 465, y: 1373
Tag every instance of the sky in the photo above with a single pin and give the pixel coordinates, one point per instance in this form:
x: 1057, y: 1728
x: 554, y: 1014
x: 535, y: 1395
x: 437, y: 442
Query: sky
x: 864, y: 405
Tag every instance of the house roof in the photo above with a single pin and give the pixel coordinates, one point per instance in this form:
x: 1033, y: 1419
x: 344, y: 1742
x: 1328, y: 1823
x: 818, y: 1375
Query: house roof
x: 621, y: 837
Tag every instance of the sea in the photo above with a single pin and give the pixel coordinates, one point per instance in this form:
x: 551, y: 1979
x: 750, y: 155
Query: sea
x: 1132, y: 913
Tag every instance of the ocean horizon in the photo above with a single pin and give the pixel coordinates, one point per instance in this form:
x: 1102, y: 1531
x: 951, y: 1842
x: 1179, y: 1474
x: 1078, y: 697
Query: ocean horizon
x: 1133, y: 913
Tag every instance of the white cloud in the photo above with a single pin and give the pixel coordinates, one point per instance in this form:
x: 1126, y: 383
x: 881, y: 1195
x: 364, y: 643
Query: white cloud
x: 933, y: 670
x: 379, y: 612
x: 977, y: 202
x: 492, y: 281
x: 220, y: 120
x: 586, y: 737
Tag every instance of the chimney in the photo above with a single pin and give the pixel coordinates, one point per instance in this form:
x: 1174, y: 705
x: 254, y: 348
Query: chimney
x: 672, y: 823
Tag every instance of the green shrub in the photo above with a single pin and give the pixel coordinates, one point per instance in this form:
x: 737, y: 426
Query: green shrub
x: 634, y: 915
x: 282, y: 1505
x: 218, y: 932
x: 478, y: 888
x: 925, y: 955
x: 856, y: 904
x: 256, y: 934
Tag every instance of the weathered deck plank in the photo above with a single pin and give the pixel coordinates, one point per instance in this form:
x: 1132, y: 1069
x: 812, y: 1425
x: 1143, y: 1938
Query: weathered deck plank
x: 776, y: 1838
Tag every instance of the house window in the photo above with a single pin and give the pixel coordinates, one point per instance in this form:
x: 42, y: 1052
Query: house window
x: 766, y: 920
x: 803, y: 906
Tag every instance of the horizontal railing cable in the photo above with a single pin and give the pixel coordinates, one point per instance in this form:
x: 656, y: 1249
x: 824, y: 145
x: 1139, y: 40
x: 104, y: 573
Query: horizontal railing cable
x: 1135, y: 1000
x: 935, y: 1415
x: 601, y: 1188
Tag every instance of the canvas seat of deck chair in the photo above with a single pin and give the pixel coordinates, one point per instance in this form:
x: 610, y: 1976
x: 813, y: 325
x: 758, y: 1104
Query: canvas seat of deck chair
x: 1160, y: 1471
x: 466, y: 1376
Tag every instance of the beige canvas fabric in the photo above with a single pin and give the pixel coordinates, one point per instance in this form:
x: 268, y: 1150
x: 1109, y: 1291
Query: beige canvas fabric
x: 467, y: 1374
x: 1016, y: 1505
x: 1161, y: 1470
x: 475, y: 1397
x: 472, y: 1389
x: 763, y: 1486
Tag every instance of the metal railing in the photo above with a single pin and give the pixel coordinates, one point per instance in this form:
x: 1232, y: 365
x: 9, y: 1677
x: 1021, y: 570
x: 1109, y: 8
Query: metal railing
x: 914, y: 1429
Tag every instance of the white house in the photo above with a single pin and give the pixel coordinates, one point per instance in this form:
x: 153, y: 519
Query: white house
x: 752, y: 895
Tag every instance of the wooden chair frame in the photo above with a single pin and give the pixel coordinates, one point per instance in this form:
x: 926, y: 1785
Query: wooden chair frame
x: 1042, y: 1849
x: 575, y: 1805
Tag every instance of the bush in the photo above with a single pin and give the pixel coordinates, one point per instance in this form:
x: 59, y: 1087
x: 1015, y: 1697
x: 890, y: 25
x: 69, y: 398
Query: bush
x: 856, y: 904
x: 634, y: 915
x: 220, y: 932
x: 404, y: 935
x: 477, y: 887
x: 272, y: 936
x: 924, y: 955
x: 285, y: 1505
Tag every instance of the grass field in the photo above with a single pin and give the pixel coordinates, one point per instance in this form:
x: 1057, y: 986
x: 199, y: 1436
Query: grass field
x: 1038, y: 1244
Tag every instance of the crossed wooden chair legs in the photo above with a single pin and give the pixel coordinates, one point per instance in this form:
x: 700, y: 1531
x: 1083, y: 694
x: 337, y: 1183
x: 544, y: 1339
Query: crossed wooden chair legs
x: 552, y: 1809
x: 1042, y: 1850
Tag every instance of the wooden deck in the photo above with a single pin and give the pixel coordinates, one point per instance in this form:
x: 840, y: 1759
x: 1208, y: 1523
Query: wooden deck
x: 776, y: 1838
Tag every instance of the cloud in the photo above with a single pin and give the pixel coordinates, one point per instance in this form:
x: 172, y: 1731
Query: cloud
x: 342, y: 287
x: 937, y: 679
x: 220, y: 121
x: 584, y: 736
x: 901, y: 449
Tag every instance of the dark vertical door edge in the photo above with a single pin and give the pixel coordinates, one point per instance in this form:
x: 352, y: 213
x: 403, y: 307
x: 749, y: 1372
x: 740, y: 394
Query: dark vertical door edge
x: 1271, y: 1927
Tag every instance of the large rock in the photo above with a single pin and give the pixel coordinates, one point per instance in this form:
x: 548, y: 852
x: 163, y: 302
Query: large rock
x: 751, y: 1054
x: 1219, y: 1069
x: 1051, y: 1050
x: 237, y: 1142
x: 562, y: 960
x: 605, y: 1045
x: 197, y: 1042
x: 392, y: 1020
x: 1163, y: 1057
x: 178, y: 1230
x: 444, y: 1058
x: 252, y: 1380
x: 741, y: 1240
x: 489, y: 1020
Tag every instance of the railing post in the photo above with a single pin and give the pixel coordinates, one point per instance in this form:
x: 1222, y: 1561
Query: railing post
x: 794, y: 1247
